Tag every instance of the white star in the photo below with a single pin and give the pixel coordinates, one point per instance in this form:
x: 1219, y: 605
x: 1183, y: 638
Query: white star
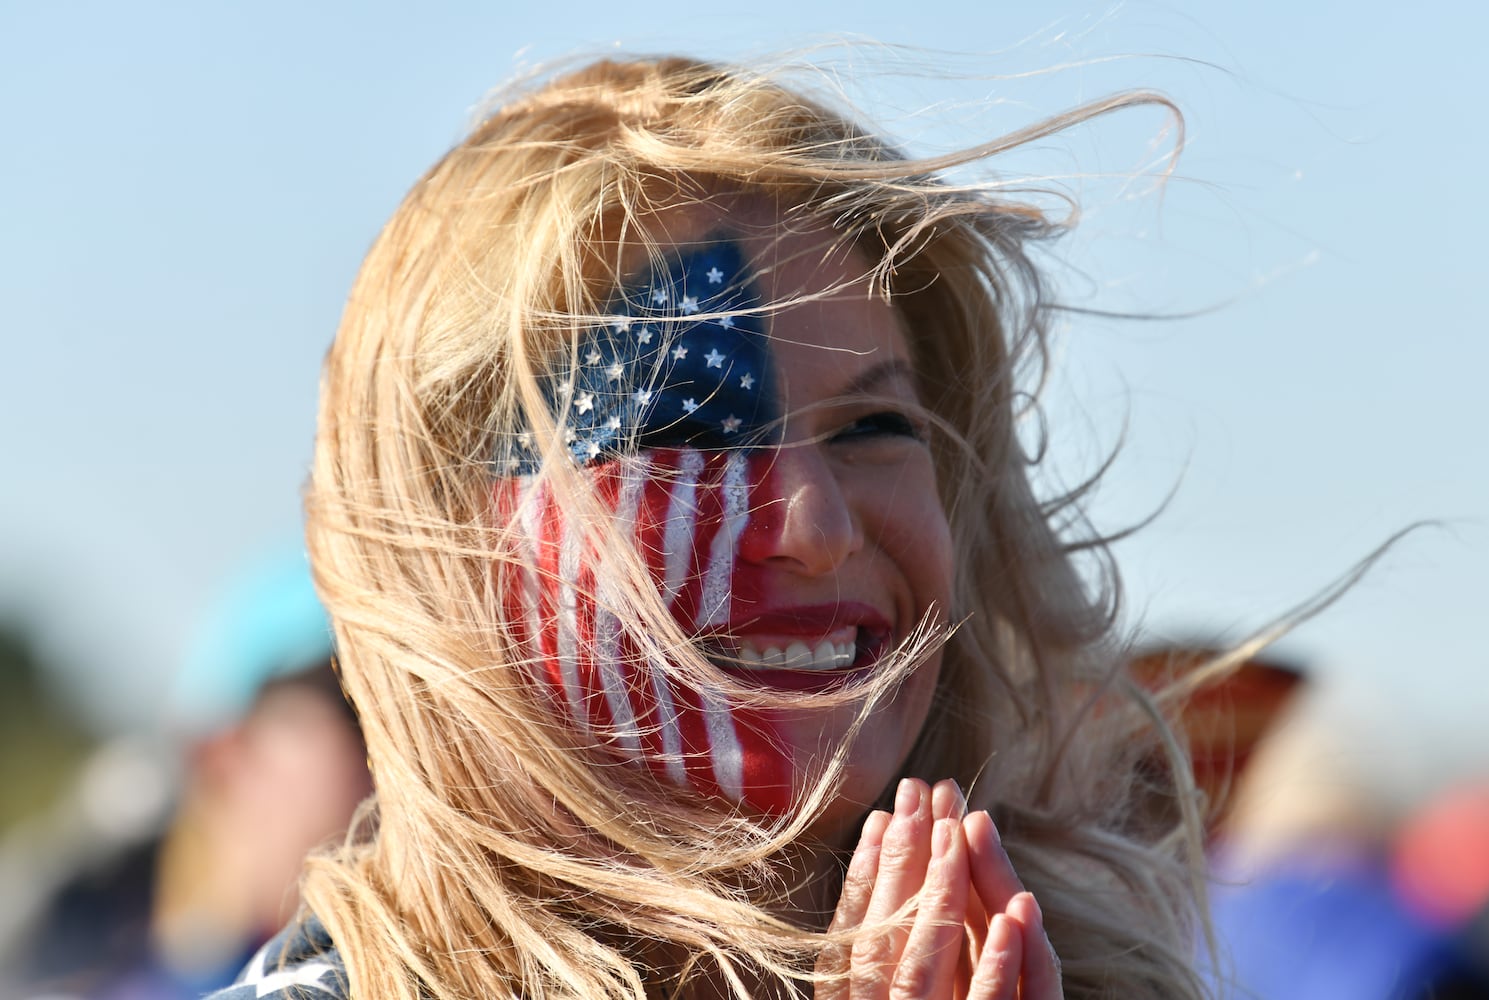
x: 645, y: 335
x: 690, y: 303
x: 715, y: 276
x: 592, y: 358
x: 747, y: 381
x: 731, y: 424
x: 308, y: 974
x: 659, y: 296
x: 621, y: 323
x: 570, y: 435
x: 613, y: 423
x: 679, y: 352
x: 714, y: 358
x: 615, y: 371
x: 585, y: 402
x: 512, y: 463
x: 565, y: 387
x: 689, y: 405
x: 525, y: 439
x: 591, y: 449
x: 727, y: 322
x: 642, y: 396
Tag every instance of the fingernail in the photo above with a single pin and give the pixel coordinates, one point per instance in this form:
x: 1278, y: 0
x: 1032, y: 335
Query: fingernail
x: 1000, y: 933
x: 997, y: 836
x: 947, y: 799
x: 907, y: 796
x: 941, y: 837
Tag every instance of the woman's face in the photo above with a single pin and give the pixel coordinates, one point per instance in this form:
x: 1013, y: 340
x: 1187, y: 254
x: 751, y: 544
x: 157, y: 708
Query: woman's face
x: 783, y: 498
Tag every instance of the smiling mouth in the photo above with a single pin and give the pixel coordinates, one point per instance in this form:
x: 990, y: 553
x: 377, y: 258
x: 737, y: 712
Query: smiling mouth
x: 802, y: 642
x: 797, y: 655
x: 842, y: 651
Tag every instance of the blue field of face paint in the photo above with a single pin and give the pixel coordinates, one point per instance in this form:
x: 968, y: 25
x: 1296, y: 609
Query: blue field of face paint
x: 654, y: 376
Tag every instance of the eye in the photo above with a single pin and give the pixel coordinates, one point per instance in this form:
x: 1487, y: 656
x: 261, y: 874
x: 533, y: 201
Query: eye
x: 882, y: 424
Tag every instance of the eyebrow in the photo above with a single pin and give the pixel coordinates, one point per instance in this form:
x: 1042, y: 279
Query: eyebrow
x: 874, y: 378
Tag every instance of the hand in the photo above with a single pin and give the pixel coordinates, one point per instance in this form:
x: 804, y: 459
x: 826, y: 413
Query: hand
x: 974, y: 933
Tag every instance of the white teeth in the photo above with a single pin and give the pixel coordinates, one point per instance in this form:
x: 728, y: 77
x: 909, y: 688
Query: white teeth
x: 797, y: 655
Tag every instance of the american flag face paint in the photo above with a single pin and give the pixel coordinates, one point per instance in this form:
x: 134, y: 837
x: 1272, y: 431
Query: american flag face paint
x: 670, y: 408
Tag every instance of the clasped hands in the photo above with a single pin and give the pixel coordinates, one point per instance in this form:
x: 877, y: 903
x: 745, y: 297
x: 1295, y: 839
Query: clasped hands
x: 974, y: 934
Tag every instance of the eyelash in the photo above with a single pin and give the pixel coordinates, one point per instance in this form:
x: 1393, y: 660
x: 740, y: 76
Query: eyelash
x: 886, y: 423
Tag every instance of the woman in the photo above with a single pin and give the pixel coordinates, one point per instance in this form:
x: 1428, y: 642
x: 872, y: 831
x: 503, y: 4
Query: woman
x: 688, y: 581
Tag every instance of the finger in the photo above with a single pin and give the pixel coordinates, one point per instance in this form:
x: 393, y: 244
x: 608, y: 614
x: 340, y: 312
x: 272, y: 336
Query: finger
x: 992, y: 873
x: 904, y: 856
x: 858, y: 882
x: 1041, y: 976
x: 928, y: 966
x: 947, y: 800
x: 853, y: 903
x: 997, y: 973
x: 976, y: 926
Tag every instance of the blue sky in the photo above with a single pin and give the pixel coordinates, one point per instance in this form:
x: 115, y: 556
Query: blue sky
x: 188, y: 188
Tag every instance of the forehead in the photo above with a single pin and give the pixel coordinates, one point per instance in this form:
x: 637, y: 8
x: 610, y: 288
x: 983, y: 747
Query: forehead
x: 729, y: 317
x: 825, y: 319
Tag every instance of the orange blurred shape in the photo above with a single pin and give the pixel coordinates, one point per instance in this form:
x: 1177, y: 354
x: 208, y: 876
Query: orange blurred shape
x: 1225, y: 719
x: 1441, y: 858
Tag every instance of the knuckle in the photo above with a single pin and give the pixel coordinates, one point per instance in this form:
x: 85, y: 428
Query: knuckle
x: 912, y: 981
x: 896, y: 854
x: 867, y: 983
x: 871, y: 954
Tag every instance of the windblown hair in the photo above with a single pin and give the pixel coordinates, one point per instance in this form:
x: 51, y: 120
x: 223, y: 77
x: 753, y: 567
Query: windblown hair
x: 508, y: 857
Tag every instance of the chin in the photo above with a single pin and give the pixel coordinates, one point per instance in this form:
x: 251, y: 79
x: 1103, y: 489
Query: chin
x: 875, y: 762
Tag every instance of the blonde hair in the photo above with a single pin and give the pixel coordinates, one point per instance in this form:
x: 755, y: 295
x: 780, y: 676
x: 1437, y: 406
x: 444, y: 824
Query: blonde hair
x: 508, y: 857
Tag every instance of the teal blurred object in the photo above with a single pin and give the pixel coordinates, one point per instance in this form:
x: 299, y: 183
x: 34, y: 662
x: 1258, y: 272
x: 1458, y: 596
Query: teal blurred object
x: 267, y: 623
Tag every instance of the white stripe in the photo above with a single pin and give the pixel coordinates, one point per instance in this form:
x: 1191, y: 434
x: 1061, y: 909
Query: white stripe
x: 568, y: 618
x: 724, y: 748
x: 713, y: 608
x: 607, y: 637
x: 671, y: 734
x: 533, y: 499
x: 682, y: 512
x: 608, y: 629
x: 636, y: 475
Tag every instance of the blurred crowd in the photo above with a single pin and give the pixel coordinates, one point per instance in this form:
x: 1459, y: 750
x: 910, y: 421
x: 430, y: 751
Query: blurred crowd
x: 166, y: 863
x: 1325, y: 883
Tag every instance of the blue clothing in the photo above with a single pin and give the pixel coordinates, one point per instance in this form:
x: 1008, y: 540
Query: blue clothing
x: 1339, y: 932
x: 91, y: 941
x: 299, y: 963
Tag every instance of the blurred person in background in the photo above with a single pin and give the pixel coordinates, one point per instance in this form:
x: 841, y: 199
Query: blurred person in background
x: 275, y: 765
x: 1327, y: 888
x: 1440, y: 869
x: 1223, y: 708
x: 1324, y: 888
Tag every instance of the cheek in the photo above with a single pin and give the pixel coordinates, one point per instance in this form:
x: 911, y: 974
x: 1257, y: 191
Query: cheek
x: 904, y: 516
x: 683, y: 511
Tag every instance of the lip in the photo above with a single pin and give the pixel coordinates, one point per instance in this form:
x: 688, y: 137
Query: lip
x: 810, y: 621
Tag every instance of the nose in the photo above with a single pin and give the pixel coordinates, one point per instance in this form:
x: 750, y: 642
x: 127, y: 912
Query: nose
x: 801, y: 519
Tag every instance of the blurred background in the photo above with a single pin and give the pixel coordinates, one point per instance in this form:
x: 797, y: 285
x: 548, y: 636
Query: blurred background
x: 186, y: 191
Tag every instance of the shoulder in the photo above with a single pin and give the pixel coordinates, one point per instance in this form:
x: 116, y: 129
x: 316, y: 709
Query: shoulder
x: 299, y: 963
